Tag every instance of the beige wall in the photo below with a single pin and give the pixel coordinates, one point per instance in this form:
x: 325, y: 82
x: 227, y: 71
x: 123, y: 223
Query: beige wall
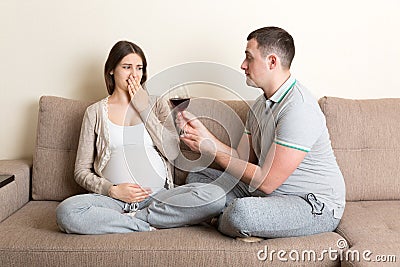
x: 344, y: 48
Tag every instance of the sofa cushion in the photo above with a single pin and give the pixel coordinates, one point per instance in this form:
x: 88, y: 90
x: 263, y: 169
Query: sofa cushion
x: 364, y: 135
x: 30, y: 237
x: 59, y: 125
x: 366, y: 221
x: 373, y: 226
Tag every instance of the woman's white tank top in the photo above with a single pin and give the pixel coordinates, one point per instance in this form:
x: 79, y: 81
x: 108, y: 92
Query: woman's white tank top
x: 134, y: 158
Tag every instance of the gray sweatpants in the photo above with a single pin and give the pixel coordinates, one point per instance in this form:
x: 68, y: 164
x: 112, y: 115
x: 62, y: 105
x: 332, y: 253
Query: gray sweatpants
x: 254, y: 213
x: 179, y: 206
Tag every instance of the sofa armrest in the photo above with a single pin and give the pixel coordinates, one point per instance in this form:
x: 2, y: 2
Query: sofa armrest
x: 14, y: 195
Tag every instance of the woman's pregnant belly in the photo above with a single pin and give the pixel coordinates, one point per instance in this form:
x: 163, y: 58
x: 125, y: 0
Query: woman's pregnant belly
x: 136, y: 164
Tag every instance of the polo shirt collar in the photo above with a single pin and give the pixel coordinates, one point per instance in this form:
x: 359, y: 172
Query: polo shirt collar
x: 283, y: 90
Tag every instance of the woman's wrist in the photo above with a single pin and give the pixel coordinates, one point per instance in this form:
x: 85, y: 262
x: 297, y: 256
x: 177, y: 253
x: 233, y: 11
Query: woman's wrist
x: 111, y: 190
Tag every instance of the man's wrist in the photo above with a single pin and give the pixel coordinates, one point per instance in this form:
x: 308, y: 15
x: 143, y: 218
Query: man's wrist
x: 222, y: 158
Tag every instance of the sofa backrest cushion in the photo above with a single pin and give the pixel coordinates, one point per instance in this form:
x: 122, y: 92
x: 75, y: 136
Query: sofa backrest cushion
x: 58, y: 132
x: 365, y: 136
x: 57, y: 140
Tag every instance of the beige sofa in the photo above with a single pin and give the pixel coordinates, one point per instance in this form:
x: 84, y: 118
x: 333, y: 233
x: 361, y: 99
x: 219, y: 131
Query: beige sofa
x: 365, y: 137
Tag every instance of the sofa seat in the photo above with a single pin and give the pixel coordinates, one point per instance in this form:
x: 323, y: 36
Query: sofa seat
x: 373, y: 226
x: 30, y: 237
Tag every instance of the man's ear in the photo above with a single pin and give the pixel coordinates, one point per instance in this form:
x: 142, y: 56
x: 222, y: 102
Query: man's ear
x: 272, y: 61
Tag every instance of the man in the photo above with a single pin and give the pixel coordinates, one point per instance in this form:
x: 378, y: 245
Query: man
x: 283, y: 179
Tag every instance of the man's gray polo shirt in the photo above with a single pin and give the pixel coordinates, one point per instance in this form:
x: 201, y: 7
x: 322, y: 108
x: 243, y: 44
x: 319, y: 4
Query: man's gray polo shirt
x: 293, y: 118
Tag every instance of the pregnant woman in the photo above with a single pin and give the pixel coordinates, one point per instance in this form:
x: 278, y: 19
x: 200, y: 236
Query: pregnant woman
x: 126, y: 146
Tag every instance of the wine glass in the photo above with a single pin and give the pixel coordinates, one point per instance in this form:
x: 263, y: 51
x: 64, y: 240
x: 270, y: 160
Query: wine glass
x: 179, y: 98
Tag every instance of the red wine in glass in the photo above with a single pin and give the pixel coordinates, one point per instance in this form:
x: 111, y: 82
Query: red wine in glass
x: 180, y: 103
